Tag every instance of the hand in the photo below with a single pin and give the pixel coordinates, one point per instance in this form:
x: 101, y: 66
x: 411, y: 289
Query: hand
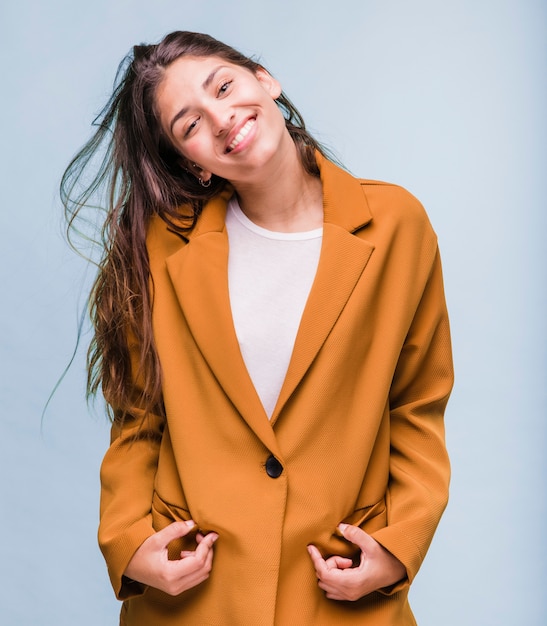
x: 377, y: 568
x: 151, y: 566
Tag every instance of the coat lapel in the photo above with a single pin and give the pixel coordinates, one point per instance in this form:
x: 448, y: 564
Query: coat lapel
x: 343, y: 260
x: 199, y: 276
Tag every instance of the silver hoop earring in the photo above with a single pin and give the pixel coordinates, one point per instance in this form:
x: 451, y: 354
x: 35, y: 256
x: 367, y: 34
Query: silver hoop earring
x: 204, y: 183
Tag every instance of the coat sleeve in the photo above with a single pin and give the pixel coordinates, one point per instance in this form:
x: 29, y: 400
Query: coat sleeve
x: 128, y: 473
x: 129, y: 468
x: 419, y: 470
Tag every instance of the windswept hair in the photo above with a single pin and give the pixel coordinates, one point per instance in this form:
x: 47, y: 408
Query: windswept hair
x: 131, y: 164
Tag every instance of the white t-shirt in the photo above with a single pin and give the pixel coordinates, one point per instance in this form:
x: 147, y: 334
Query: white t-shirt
x: 270, y: 276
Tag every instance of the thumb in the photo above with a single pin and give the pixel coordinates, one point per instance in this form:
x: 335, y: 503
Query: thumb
x: 174, y: 531
x: 355, y: 535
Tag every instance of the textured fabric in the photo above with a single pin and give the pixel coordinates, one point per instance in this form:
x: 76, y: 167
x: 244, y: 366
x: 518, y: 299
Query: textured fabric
x: 269, y: 278
x: 357, y: 428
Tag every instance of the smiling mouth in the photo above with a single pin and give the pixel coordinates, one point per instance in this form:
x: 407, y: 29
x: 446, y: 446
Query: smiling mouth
x: 243, y: 132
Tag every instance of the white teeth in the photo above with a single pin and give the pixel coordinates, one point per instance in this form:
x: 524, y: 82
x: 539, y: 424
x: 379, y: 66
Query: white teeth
x: 241, y: 134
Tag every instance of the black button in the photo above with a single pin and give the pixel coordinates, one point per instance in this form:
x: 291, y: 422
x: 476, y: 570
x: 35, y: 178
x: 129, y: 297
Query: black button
x: 274, y: 469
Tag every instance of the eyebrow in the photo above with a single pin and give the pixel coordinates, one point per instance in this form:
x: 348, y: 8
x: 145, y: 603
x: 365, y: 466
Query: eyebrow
x: 205, y: 85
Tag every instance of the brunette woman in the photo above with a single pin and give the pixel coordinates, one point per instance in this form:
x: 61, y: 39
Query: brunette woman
x: 272, y: 340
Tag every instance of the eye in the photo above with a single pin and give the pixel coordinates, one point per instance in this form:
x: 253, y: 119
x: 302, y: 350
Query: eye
x: 224, y: 87
x: 191, y: 127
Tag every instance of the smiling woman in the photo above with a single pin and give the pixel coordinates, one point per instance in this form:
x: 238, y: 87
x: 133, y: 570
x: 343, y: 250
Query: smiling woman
x: 272, y: 341
x: 223, y: 117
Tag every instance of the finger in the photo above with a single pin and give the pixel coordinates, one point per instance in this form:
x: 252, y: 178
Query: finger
x: 173, y: 531
x: 316, y: 556
x: 209, y: 539
x: 208, y: 564
x: 341, y: 585
x: 355, y: 535
x: 205, y: 545
x: 199, y: 537
x: 186, y: 553
x: 194, y: 564
x: 334, y: 589
x: 330, y: 590
x: 339, y: 562
x: 318, y: 562
x: 185, y: 574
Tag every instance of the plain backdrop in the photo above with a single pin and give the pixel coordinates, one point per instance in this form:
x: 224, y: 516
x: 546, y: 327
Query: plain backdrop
x: 447, y: 98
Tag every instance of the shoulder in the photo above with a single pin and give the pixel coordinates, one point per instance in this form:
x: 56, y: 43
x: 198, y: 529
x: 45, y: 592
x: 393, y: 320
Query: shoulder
x: 165, y: 237
x: 385, y: 197
x: 162, y: 240
x: 395, y: 208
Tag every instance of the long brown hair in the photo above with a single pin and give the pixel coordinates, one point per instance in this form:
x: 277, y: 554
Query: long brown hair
x: 139, y: 175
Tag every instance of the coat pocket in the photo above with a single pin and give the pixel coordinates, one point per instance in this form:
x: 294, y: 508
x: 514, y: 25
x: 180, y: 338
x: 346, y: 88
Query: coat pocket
x: 165, y: 513
x: 369, y: 518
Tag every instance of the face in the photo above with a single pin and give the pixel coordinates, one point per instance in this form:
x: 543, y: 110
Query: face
x: 222, y: 116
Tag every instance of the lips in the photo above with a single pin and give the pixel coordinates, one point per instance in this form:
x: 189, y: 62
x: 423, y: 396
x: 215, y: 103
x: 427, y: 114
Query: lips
x: 241, y: 134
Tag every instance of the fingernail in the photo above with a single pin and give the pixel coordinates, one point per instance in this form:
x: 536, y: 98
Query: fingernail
x: 342, y: 527
x: 190, y: 523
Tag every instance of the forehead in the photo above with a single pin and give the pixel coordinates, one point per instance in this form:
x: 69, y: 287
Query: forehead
x: 188, y: 76
x: 191, y: 68
x: 191, y: 73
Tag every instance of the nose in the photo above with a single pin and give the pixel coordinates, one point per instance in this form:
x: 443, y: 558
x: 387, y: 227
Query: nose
x: 221, y: 117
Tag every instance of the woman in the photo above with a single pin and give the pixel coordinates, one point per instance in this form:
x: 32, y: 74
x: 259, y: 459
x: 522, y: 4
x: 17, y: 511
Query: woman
x: 271, y: 336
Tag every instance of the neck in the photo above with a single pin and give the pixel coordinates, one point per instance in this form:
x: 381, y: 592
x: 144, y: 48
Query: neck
x: 287, y: 199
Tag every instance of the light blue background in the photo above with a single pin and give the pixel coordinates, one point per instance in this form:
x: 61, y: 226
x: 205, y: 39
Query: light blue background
x: 446, y: 98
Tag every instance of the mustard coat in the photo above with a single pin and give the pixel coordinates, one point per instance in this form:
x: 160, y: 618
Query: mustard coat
x: 357, y: 432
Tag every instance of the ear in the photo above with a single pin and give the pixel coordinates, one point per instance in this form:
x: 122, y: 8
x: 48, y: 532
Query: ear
x: 184, y: 163
x: 268, y: 82
x: 194, y: 169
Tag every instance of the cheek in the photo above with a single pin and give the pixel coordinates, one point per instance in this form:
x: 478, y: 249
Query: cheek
x: 275, y: 115
x: 192, y: 149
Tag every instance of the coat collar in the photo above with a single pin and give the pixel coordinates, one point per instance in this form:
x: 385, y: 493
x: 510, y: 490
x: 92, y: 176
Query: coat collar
x: 199, y: 276
x: 344, y: 202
